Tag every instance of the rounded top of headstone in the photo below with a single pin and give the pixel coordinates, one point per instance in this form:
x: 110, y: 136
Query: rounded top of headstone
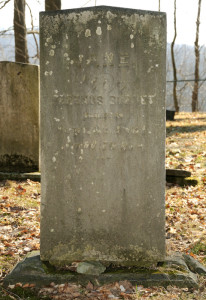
x: 103, y: 8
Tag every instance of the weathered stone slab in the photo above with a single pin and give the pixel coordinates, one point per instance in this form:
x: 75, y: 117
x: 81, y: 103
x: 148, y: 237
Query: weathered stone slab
x: 35, y: 176
x: 103, y: 135
x: 19, y: 117
x: 194, y: 265
x: 176, y: 261
x: 33, y: 270
x: 170, y: 114
x: 177, y: 173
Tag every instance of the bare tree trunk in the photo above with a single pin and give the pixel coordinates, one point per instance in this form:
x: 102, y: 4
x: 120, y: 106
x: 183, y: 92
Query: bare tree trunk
x: 52, y: 5
x: 159, y: 5
x: 173, y: 62
x: 21, y: 51
x: 197, y: 61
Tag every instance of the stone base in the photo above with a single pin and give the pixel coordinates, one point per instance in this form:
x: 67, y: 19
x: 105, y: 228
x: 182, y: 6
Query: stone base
x: 180, y: 177
x: 35, y: 176
x: 181, y: 180
x: 173, y: 271
x: 170, y: 115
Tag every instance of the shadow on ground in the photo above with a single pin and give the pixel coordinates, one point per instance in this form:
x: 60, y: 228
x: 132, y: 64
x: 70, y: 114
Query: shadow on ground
x: 184, y: 129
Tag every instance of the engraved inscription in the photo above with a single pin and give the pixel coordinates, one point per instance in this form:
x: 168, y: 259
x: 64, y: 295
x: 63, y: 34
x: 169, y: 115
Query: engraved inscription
x: 99, y: 100
x: 102, y: 94
x: 107, y: 60
x: 106, y: 115
x: 78, y: 100
x: 124, y: 60
x: 97, y: 130
x: 104, y: 145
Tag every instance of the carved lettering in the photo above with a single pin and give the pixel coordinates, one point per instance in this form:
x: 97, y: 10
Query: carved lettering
x: 99, y: 100
x: 97, y: 130
x: 124, y: 60
x: 78, y: 100
x: 106, y: 115
x: 104, y: 145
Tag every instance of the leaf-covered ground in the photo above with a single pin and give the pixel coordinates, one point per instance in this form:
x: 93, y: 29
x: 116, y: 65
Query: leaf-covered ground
x: 186, y: 206
x: 185, y: 222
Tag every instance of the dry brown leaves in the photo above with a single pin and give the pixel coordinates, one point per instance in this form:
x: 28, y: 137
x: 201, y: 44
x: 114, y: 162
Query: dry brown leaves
x: 19, y: 227
x: 118, y: 290
x: 186, y: 206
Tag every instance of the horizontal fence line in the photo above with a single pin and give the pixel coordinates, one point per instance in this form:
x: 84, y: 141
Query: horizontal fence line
x: 185, y: 80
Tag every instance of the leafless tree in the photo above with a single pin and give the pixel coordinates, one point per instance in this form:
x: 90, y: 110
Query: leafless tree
x: 173, y: 61
x: 197, y: 60
x: 52, y: 5
x: 159, y: 5
x: 21, y: 51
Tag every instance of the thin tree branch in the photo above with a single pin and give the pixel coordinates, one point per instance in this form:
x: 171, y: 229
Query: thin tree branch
x: 85, y: 3
x: 32, y: 27
x: 3, y: 32
x: 33, y: 31
x: 4, y: 3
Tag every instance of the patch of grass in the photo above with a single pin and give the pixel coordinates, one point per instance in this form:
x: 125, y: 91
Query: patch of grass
x: 199, y: 159
x: 199, y: 248
x: 7, y: 263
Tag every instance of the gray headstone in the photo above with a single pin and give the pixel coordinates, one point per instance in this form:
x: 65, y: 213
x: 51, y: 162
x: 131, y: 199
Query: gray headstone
x: 103, y: 135
x: 19, y: 117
